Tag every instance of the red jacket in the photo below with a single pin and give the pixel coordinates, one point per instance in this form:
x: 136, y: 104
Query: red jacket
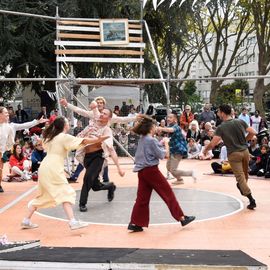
x: 186, y: 119
x: 13, y: 161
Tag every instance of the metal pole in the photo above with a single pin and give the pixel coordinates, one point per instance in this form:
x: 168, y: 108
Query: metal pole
x: 57, y: 67
x: 27, y: 14
x: 155, y: 56
x: 141, y: 65
x: 168, y: 92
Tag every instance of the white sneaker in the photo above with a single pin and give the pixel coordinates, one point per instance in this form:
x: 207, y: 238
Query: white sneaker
x: 28, y: 225
x: 26, y: 176
x: 77, y: 225
x: 194, y: 176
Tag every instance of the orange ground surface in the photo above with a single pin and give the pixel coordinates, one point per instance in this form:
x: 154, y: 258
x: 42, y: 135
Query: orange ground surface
x: 246, y: 230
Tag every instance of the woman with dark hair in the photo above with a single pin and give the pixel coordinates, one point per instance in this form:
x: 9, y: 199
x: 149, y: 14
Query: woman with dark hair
x: 19, y: 165
x: 147, y: 156
x: 53, y: 187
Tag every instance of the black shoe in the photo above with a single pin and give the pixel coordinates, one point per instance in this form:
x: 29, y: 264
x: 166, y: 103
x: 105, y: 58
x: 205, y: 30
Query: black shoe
x: 187, y: 220
x: 72, y: 180
x: 83, y: 208
x: 238, y: 186
x: 1, y: 189
x: 252, y: 205
x: 111, y: 192
x: 135, y: 228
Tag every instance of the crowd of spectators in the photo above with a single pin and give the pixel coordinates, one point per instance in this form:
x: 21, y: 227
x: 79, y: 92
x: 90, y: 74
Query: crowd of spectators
x: 197, y: 127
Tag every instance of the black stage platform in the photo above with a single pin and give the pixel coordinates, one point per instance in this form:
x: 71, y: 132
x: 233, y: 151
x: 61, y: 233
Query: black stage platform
x: 131, y: 258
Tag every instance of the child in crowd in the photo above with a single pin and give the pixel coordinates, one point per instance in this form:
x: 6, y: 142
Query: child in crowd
x: 193, y: 149
x: 37, y: 156
x: 209, y: 154
x: 28, y: 149
x: 147, y: 156
x: 259, y: 167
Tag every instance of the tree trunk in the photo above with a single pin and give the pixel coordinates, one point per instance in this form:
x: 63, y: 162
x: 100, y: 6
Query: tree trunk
x: 258, y: 95
x: 214, y: 91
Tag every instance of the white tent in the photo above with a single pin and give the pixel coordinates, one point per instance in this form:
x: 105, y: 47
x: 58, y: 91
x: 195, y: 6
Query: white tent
x: 115, y: 95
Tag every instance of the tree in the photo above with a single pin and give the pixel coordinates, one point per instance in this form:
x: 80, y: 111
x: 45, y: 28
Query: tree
x: 261, y: 16
x: 175, y: 48
x: 216, y: 26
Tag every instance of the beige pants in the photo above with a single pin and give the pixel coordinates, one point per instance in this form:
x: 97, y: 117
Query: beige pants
x: 172, y: 167
x: 239, y: 164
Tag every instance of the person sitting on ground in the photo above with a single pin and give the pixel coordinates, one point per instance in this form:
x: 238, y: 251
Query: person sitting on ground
x: 254, y: 150
x: 37, y: 156
x: 19, y: 165
x: 209, y: 155
x: 204, y: 132
x: 193, y: 149
x: 194, y: 131
x: 28, y: 148
x: 224, y: 166
x: 259, y: 167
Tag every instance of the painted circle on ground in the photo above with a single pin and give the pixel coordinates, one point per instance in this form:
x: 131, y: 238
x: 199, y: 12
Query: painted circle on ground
x: 204, y: 205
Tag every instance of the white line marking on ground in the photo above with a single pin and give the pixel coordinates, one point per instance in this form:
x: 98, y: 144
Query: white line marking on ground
x: 25, y: 194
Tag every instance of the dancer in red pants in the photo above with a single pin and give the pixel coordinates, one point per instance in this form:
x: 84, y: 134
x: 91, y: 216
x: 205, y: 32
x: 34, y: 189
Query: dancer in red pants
x: 147, y: 156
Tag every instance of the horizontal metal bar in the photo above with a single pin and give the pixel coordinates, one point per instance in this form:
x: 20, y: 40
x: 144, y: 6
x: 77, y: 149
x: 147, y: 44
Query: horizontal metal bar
x: 145, y: 81
x: 54, y: 18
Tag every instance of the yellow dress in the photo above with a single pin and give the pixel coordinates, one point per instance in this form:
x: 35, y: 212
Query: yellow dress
x: 53, y: 187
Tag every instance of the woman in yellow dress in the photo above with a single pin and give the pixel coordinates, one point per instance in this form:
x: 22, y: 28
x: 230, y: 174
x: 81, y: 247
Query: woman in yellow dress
x: 53, y: 187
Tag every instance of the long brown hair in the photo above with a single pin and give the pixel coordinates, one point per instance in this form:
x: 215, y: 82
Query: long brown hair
x: 144, y: 125
x: 55, y: 128
x: 20, y: 156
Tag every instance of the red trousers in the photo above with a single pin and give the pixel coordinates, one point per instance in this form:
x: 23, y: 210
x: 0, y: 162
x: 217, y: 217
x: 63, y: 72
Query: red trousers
x: 152, y: 179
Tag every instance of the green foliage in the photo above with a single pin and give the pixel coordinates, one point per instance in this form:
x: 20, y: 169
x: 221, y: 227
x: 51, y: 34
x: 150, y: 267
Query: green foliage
x: 227, y: 93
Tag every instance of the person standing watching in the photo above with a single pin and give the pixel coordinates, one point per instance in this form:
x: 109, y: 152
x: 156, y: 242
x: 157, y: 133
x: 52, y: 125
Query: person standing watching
x: 233, y: 133
x: 186, y: 117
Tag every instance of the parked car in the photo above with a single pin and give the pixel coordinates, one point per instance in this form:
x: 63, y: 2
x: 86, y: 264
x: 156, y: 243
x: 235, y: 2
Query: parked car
x: 161, y: 112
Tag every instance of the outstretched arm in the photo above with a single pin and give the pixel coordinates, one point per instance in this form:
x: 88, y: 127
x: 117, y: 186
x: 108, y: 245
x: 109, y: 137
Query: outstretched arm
x: 27, y: 125
x: 82, y: 112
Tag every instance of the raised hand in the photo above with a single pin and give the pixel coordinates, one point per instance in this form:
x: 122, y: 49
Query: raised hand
x: 63, y: 102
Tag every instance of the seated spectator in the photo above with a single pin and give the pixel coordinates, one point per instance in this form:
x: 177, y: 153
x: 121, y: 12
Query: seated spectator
x: 37, y: 156
x: 54, y: 114
x: 204, y: 132
x: 193, y: 149
x: 19, y: 165
x: 116, y: 110
x: 254, y: 150
x: 161, y: 134
x: 209, y: 154
x: 259, y: 167
x: 186, y: 117
x: 265, y: 140
x: 28, y: 148
x: 194, y: 131
x: 78, y: 128
x: 224, y: 165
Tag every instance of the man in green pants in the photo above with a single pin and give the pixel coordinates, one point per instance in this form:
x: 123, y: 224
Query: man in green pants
x: 235, y: 134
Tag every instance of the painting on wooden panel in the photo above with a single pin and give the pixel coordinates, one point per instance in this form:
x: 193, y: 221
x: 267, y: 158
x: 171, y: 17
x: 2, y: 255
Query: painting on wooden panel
x: 114, y: 32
